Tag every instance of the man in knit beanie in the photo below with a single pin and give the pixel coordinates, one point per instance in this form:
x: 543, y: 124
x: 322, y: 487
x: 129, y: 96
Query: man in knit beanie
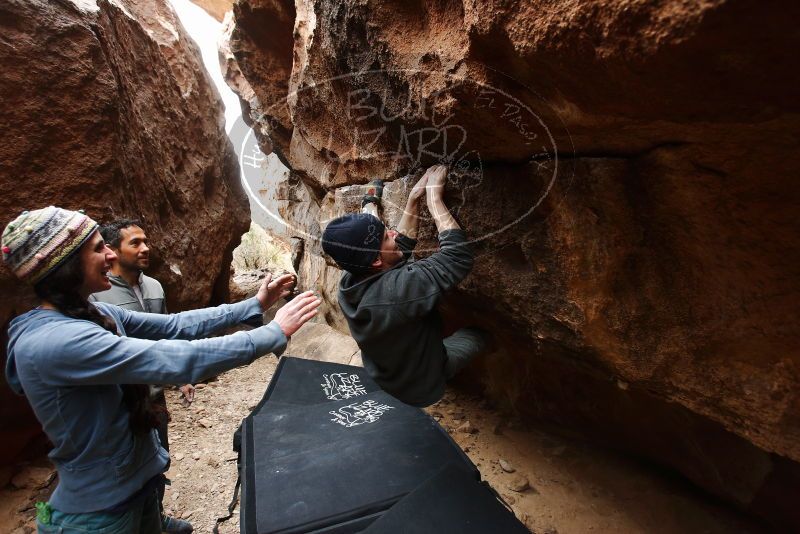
x: 390, y: 301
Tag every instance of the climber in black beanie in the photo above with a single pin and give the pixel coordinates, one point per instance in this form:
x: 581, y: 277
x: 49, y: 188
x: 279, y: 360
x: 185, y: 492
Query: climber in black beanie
x: 390, y: 301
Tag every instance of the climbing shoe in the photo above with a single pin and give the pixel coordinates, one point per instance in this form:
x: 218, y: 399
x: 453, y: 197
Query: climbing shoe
x: 374, y: 193
x: 173, y: 525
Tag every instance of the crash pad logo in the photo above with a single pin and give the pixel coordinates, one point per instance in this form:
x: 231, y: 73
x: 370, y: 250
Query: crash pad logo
x: 342, y: 386
x: 359, y: 413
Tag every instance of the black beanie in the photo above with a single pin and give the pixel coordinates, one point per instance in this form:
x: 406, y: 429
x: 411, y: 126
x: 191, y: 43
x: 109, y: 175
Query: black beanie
x: 353, y: 241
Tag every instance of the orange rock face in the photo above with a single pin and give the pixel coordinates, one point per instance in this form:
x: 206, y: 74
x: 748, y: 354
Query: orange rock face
x: 106, y: 107
x: 627, y: 172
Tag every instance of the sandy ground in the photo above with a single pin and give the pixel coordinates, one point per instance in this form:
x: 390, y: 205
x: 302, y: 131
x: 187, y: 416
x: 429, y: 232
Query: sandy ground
x: 573, y: 487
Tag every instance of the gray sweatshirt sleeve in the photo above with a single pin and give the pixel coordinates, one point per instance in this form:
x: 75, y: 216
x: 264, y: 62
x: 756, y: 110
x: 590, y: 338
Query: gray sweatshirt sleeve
x: 420, y: 284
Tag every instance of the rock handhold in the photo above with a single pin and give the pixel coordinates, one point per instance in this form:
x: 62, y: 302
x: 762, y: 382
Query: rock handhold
x: 506, y: 466
x: 519, y: 483
x: 467, y: 428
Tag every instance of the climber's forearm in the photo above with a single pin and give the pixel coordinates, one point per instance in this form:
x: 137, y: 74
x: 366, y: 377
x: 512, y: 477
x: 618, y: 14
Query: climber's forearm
x: 441, y: 215
x: 409, y: 222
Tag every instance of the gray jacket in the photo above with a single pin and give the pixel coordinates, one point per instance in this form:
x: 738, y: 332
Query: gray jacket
x: 122, y: 295
x: 393, y: 317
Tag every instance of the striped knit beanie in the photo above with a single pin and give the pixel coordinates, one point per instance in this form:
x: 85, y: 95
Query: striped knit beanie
x: 37, y: 242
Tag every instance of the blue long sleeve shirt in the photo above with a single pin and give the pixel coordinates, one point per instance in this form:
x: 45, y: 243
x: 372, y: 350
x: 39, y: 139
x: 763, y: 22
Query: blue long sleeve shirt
x: 71, y: 370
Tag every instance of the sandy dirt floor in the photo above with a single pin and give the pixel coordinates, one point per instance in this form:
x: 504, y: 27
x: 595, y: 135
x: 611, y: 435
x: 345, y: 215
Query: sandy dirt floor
x: 554, y: 485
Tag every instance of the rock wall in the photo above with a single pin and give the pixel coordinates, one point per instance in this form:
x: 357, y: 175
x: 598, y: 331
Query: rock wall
x: 626, y: 170
x: 106, y: 107
x: 215, y: 8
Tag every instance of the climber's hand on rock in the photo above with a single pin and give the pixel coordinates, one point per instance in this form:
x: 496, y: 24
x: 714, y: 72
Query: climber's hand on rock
x: 437, y: 178
x: 297, y: 312
x: 272, y: 290
x: 418, y: 191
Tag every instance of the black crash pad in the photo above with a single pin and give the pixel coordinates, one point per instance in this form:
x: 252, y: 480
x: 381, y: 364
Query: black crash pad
x: 450, y: 502
x: 335, y: 467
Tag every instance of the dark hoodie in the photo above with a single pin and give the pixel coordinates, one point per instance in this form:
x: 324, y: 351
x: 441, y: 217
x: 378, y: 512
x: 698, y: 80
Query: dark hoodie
x: 394, y: 319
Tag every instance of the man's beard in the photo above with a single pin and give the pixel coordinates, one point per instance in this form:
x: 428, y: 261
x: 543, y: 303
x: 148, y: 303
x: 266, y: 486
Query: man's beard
x: 134, y: 266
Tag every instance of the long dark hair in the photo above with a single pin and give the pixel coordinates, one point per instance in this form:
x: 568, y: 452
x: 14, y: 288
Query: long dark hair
x: 60, y: 288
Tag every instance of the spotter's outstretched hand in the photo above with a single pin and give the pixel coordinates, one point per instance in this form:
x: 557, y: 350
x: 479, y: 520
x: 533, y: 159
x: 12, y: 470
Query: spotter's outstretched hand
x: 273, y: 290
x: 297, y: 312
